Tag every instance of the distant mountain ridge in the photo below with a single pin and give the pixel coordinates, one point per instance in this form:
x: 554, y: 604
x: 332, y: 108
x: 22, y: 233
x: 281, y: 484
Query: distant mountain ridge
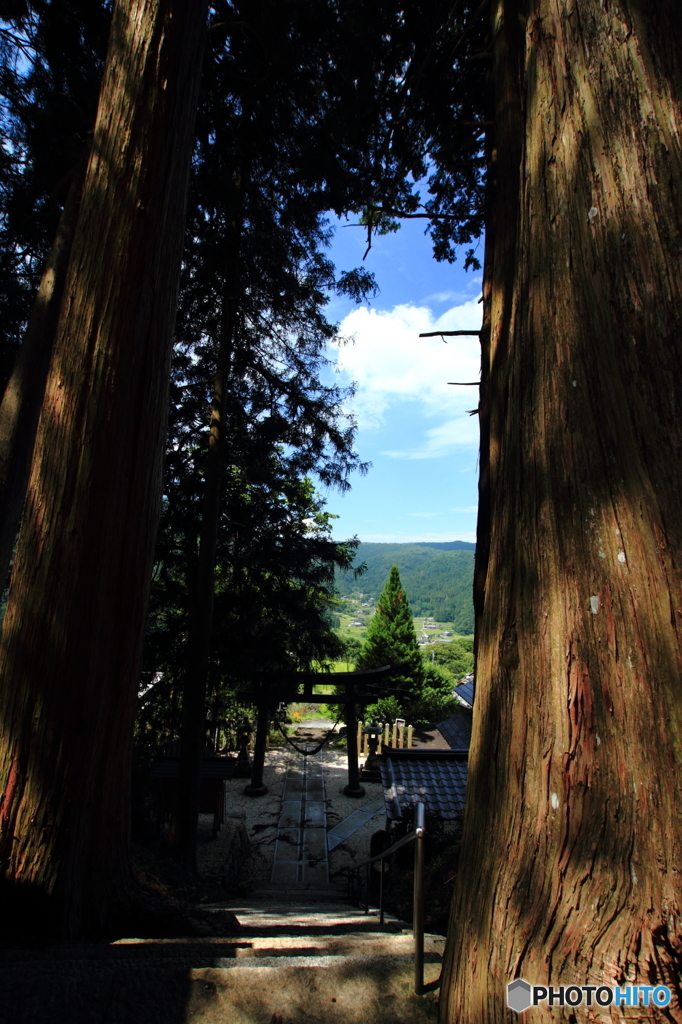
x: 437, y: 577
x: 447, y: 545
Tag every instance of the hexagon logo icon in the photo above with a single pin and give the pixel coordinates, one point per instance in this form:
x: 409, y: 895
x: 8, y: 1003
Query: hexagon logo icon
x: 518, y: 995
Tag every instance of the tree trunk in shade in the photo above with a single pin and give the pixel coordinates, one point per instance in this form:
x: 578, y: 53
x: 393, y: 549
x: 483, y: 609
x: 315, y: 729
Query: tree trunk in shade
x: 569, y: 868
x: 183, y: 833
x: 71, y: 642
x: 23, y: 396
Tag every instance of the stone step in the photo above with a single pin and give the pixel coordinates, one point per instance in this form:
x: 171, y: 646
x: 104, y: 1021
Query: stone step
x: 315, y: 989
x: 304, y: 961
x: 287, y: 893
x: 316, y: 918
x: 333, y: 990
x: 304, y: 944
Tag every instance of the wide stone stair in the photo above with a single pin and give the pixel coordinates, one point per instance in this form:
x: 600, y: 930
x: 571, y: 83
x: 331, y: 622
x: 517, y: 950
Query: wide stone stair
x: 304, y: 962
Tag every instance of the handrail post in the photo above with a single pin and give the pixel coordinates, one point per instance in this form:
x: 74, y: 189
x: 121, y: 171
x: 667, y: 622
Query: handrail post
x: 418, y: 909
x: 381, y: 892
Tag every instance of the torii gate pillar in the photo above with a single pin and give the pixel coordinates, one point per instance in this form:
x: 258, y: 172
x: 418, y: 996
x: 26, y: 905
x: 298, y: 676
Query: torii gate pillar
x: 353, y: 788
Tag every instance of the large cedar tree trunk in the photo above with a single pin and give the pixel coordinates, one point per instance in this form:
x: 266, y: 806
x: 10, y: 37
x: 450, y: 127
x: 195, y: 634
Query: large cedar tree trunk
x: 71, y: 641
x: 570, y: 864
x: 23, y: 396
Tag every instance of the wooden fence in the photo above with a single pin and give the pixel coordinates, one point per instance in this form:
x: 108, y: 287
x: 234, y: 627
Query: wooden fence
x: 396, y: 735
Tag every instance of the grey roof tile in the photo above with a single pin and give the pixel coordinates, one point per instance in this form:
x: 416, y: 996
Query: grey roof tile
x: 457, y: 730
x: 436, y: 778
x: 465, y: 691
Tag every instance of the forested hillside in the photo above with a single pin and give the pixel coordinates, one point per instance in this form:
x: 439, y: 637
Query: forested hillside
x: 437, y: 578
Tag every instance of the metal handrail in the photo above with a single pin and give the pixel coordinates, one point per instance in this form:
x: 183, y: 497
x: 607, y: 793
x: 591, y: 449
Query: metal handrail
x: 416, y: 837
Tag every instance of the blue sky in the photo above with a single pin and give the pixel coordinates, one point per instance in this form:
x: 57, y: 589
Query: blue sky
x: 413, y: 427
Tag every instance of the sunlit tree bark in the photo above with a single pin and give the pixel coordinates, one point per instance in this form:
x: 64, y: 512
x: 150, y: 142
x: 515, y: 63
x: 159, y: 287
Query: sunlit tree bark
x: 72, y: 634
x: 22, y: 398
x: 569, y: 870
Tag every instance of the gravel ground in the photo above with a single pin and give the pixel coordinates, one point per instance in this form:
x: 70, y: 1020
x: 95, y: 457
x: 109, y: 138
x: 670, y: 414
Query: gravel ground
x: 260, y: 815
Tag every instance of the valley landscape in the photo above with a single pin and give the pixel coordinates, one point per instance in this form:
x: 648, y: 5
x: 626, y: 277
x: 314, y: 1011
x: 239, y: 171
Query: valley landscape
x: 437, y: 577
x: 438, y: 580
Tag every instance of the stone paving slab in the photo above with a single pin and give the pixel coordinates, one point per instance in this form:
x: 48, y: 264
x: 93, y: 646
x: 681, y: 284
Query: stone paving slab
x: 315, y: 875
x: 315, y: 814
x: 285, y: 873
x: 314, y: 844
x: 314, y: 789
x: 291, y: 814
x: 353, y: 822
x: 293, y: 789
x: 300, y: 856
x: 287, y: 845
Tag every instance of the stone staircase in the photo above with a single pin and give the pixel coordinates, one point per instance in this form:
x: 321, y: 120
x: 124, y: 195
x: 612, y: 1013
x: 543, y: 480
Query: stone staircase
x: 311, y: 961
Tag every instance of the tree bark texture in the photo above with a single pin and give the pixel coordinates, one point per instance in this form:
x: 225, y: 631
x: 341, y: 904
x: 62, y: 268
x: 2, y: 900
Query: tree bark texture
x: 70, y: 649
x: 23, y: 396
x: 569, y: 869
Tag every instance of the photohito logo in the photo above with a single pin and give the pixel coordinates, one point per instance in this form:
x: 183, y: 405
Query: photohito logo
x: 521, y: 995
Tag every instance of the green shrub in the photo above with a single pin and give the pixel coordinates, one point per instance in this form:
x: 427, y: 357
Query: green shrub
x: 433, y: 706
x: 386, y: 709
x: 436, y: 701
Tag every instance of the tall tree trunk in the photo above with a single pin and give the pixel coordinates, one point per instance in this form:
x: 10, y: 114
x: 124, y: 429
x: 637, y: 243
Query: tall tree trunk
x: 70, y: 649
x: 183, y: 838
x: 569, y: 869
x: 23, y: 396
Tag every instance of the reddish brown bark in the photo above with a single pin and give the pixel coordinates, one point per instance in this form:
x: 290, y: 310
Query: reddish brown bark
x: 71, y: 641
x: 569, y: 870
x: 23, y: 396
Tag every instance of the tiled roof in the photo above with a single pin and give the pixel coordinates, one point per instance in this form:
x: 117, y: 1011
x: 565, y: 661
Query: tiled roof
x: 436, y: 778
x: 457, y: 730
x: 465, y: 691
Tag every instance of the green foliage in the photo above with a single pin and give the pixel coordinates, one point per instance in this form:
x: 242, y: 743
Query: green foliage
x: 391, y: 640
x: 432, y: 704
x: 432, y: 707
x: 273, y: 592
x: 351, y: 651
x: 386, y: 709
x: 305, y: 108
x: 435, y: 702
x: 439, y: 580
x: 456, y: 657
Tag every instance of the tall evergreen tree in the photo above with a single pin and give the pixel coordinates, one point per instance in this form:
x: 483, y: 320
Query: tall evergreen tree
x: 391, y: 640
x: 51, y: 59
x: 71, y: 641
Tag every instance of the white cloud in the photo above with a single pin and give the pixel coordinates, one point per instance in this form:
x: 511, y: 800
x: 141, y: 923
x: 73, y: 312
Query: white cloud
x: 392, y: 364
x: 441, y: 440
x: 450, y: 296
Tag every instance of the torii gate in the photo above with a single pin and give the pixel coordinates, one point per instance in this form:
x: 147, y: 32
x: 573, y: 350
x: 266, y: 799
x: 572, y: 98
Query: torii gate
x: 310, y: 679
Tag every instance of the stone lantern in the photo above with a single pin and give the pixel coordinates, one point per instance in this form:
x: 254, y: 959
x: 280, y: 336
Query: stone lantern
x: 243, y: 767
x: 370, y: 772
